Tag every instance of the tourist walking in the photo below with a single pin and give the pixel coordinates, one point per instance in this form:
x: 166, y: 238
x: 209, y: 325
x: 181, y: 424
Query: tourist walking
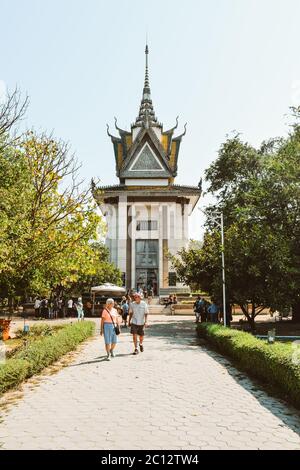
x: 70, y: 307
x: 203, y: 314
x: 79, y: 308
x: 199, y: 309
x: 37, y: 306
x: 55, y: 308
x: 145, y: 292
x: 44, y: 308
x: 213, y: 311
x: 50, y: 309
x: 60, y: 308
x: 109, y: 321
x: 138, y: 313
x: 125, y: 312
x: 150, y: 295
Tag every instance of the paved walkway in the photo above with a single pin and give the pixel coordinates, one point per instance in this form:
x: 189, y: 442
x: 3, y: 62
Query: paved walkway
x: 175, y: 395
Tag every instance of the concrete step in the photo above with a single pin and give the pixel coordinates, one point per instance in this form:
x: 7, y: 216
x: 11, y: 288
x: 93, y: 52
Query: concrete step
x: 158, y: 310
x: 155, y: 301
x: 165, y: 291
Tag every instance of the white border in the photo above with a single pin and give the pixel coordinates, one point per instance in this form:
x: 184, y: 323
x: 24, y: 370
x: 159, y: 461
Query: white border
x: 146, y: 169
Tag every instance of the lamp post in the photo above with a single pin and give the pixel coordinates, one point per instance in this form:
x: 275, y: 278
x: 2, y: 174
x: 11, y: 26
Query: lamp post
x: 223, y: 268
x: 218, y: 218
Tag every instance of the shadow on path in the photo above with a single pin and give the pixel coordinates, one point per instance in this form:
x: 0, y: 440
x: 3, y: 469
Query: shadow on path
x: 182, y: 333
x: 99, y: 359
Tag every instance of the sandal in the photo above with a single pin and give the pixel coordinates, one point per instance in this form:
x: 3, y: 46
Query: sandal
x: 141, y: 348
x: 135, y: 352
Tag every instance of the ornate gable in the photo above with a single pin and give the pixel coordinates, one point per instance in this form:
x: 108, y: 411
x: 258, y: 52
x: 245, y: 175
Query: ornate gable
x: 146, y: 160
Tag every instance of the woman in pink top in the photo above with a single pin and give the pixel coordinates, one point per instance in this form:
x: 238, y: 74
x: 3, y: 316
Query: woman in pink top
x: 109, y: 319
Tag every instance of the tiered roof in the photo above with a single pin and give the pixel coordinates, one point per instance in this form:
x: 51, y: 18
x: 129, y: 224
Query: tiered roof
x: 147, y: 151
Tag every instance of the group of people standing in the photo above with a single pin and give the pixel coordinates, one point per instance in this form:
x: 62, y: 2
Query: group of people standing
x: 135, y: 310
x: 146, y: 292
x: 58, y: 308
x: 210, y: 311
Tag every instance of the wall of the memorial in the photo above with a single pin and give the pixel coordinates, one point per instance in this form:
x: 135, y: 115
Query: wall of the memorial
x: 166, y: 222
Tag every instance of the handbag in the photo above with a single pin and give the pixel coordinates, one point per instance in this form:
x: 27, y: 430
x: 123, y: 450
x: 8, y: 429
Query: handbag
x: 116, y: 327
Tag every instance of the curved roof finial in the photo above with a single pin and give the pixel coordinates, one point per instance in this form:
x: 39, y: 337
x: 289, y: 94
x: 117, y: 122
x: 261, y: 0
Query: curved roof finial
x: 107, y: 130
x: 118, y: 128
x: 181, y: 135
x: 176, y: 125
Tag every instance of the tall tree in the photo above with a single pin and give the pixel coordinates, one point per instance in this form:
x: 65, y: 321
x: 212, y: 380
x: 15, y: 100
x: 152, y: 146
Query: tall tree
x: 49, y: 220
x: 258, y: 191
x: 12, y: 109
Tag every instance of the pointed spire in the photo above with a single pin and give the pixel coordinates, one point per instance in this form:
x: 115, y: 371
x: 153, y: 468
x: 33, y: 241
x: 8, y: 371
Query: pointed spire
x: 146, y: 84
x: 146, y: 115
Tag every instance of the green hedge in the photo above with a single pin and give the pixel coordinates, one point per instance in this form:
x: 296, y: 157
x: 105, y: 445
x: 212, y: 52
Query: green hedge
x: 271, y: 362
x: 41, y: 353
x: 39, y: 330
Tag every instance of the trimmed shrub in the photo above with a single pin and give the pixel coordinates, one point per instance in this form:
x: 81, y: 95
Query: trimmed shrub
x: 12, y: 373
x: 43, y: 352
x: 42, y: 329
x: 270, y: 362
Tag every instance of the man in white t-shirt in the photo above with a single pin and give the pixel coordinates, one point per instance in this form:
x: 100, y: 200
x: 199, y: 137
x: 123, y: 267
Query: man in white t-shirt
x: 138, y: 313
x: 37, y: 307
x: 70, y: 307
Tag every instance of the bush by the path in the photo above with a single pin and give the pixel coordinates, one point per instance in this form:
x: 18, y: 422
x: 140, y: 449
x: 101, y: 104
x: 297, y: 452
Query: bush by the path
x: 271, y: 362
x: 39, y: 330
x: 41, y: 353
x: 13, y: 346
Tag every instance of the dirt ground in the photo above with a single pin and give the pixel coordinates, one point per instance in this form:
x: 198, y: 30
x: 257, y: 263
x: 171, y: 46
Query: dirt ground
x: 264, y: 323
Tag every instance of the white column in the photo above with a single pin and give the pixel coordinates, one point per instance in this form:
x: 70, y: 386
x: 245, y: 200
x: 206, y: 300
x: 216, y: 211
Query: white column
x: 133, y: 222
x: 122, y: 232
x: 185, y: 221
x: 112, y: 233
x: 160, y: 246
x: 175, y: 227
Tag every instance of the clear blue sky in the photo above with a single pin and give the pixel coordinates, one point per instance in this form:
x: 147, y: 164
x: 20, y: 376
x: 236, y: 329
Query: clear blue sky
x: 222, y: 65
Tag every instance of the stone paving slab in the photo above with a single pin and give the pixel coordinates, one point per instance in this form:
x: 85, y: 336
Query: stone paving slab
x: 175, y: 395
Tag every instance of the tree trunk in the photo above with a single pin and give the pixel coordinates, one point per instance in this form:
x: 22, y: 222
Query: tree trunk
x: 252, y: 323
x: 296, y: 312
x: 11, y: 305
x: 250, y: 317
